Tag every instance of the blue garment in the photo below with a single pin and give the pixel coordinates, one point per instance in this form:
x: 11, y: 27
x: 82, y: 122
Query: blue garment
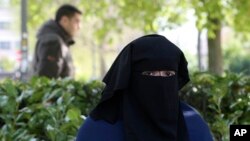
x: 100, y: 130
x: 198, y: 129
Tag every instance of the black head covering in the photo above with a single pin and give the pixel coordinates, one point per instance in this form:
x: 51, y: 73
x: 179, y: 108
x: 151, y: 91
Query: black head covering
x: 148, y: 105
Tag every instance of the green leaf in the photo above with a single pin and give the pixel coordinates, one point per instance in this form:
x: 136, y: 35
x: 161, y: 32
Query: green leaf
x: 73, y: 114
x: 3, y: 100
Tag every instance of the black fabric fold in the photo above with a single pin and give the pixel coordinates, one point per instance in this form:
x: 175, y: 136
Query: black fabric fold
x: 148, y: 105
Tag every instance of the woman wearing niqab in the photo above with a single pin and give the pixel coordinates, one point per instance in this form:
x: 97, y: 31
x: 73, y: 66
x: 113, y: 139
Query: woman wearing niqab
x: 141, y: 93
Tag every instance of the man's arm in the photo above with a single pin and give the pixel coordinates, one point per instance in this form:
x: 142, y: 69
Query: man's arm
x: 50, y: 58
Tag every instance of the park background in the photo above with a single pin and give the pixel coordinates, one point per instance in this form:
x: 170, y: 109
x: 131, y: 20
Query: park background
x: 214, y: 36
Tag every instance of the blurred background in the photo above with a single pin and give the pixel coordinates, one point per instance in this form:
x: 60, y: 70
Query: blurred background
x: 214, y: 35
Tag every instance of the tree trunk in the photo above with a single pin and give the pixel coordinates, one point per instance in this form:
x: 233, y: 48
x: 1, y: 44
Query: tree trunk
x: 215, y: 58
x: 199, y: 51
x: 94, y: 61
x: 102, y: 62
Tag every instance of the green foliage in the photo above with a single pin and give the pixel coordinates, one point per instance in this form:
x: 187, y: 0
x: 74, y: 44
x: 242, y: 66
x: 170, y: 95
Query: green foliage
x: 207, y: 12
x: 7, y: 64
x: 240, y: 65
x: 237, y: 57
x: 241, y: 15
x: 228, y: 12
x: 44, y: 109
x: 222, y: 100
x: 111, y: 16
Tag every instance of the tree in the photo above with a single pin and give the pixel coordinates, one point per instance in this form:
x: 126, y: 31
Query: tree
x: 213, y: 15
x: 209, y: 17
x: 111, y: 16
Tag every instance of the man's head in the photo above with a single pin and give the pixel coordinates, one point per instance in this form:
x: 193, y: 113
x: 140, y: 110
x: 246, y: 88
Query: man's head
x: 69, y: 17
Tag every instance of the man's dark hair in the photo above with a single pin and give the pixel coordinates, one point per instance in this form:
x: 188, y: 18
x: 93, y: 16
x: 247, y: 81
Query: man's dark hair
x: 66, y: 10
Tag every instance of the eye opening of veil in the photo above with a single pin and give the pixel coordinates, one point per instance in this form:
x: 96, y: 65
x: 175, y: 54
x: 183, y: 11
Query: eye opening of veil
x: 159, y: 73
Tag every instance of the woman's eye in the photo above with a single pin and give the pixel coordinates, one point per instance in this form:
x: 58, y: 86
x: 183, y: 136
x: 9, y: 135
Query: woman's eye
x: 154, y: 74
x: 150, y: 73
x: 169, y: 73
x: 166, y: 74
x: 159, y: 73
x: 146, y: 73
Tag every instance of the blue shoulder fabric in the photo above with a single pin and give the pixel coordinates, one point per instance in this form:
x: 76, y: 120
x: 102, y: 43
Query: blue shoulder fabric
x: 101, y: 130
x: 198, y: 129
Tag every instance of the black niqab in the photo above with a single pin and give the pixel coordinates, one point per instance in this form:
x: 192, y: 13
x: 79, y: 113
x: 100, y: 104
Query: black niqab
x: 148, y: 105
